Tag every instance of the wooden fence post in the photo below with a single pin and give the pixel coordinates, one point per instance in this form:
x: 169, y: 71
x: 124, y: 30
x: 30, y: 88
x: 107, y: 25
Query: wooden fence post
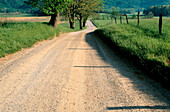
x: 138, y: 18
x: 160, y: 23
x: 121, y: 19
x: 127, y: 19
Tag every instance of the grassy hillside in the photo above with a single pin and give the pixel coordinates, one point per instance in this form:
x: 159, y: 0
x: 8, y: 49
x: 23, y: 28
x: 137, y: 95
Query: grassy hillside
x: 15, y: 36
x: 143, y: 45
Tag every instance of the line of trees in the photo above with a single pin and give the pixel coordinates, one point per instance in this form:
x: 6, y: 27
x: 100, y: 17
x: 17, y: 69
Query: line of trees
x: 156, y: 10
x: 80, y: 9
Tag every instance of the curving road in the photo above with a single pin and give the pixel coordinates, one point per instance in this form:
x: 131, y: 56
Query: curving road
x: 76, y: 73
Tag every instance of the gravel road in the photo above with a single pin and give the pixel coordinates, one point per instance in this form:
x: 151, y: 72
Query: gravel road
x: 76, y: 72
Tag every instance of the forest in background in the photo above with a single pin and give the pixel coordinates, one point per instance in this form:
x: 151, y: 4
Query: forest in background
x: 127, y: 6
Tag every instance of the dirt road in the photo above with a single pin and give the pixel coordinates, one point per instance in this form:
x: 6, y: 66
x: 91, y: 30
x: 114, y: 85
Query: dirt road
x: 76, y: 73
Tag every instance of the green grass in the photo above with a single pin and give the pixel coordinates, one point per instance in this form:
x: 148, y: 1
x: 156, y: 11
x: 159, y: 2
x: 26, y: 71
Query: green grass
x: 101, y: 23
x: 143, y: 44
x: 15, y: 36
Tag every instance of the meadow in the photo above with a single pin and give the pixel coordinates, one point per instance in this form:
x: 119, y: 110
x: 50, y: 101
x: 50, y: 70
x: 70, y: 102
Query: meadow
x: 143, y: 45
x: 17, y: 35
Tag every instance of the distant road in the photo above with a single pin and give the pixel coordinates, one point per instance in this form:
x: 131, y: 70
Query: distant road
x: 76, y: 72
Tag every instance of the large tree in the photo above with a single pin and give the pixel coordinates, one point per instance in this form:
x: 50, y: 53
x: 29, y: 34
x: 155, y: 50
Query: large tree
x: 70, y: 12
x: 114, y: 14
x: 51, y: 7
x: 93, y: 6
x: 85, y: 8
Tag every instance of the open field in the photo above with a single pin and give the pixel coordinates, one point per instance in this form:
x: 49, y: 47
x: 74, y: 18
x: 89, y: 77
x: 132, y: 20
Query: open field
x: 17, y: 15
x: 25, y: 19
x: 142, y: 44
x: 18, y: 35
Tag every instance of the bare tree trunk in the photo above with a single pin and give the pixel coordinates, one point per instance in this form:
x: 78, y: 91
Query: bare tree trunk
x: 54, y: 20
x: 71, y: 17
x: 120, y: 19
x: 84, y: 21
x: 127, y: 19
x: 81, y: 17
x: 115, y: 20
x: 71, y: 21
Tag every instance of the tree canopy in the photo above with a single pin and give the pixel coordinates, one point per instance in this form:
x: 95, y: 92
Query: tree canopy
x: 51, y: 7
x: 156, y: 10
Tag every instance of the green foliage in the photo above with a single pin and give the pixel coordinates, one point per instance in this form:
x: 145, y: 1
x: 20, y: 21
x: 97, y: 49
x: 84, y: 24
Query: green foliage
x: 136, y: 4
x: 156, y: 10
x: 134, y: 16
x: 49, y: 6
x: 114, y: 12
x: 12, y: 6
x: 15, y: 36
x: 150, y: 15
x: 88, y: 7
x: 142, y: 44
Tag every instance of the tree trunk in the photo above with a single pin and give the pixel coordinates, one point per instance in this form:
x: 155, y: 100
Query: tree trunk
x: 71, y: 17
x: 127, y: 19
x: 71, y: 21
x: 54, y: 20
x: 121, y: 19
x: 81, y: 17
x: 84, y: 22
x: 115, y: 20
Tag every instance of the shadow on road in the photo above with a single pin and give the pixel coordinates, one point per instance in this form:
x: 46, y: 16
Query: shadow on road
x: 137, y: 78
x: 138, y: 107
x: 80, y: 49
x: 94, y: 66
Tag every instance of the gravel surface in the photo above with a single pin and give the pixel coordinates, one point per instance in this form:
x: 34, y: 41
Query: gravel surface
x: 76, y: 72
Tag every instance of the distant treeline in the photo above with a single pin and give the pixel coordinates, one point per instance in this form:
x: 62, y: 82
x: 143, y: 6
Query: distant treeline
x: 156, y: 10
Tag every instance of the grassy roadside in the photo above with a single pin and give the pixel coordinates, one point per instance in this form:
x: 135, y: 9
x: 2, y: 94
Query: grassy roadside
x: 18, y: 35
x: 142, y: 45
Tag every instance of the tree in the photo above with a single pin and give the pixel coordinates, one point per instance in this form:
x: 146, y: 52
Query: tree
x: 114, y: 14
x: 150, y: 15
x: 93, y: 6
x: 156, y: 10
x: 70, y: 12
x: 51, y: 7
x: 85, y: 8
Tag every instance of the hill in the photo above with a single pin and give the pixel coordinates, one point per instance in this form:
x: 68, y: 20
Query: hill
x: 14, y: 6
x: 11, y: 3
x: 134, y: 3
x: 18, y: 5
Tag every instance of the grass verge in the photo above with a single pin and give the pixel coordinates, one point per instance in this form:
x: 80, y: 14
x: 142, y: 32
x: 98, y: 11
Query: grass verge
x: 15, y: 36
x: 142, y: 45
